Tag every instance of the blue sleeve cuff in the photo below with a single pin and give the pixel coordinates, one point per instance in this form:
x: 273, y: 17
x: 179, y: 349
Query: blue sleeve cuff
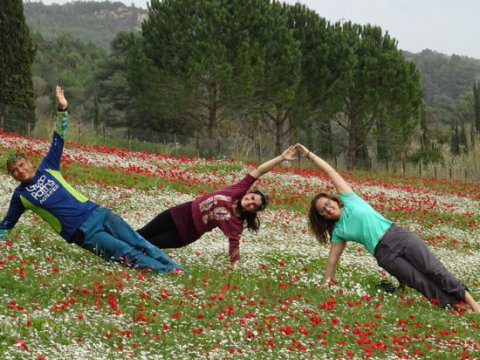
x: 3, y: 233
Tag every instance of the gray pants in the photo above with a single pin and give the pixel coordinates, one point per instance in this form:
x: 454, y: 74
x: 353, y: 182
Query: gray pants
x: 404, y: 255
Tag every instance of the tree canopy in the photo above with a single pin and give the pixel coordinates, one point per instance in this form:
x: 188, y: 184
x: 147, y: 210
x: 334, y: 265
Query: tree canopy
x: 255, y: 73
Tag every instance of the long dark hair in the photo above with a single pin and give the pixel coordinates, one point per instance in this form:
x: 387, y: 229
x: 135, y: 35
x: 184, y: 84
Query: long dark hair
x: 251, y: 220
x: 320, y: 227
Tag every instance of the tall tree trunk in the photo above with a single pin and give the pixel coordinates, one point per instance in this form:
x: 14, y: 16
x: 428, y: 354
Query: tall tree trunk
x: 325, y: 141
x: 352, y: 142
x: 282, y: 131
x: 212, y: 120
x: 362, y: 158
x: 357, y: 150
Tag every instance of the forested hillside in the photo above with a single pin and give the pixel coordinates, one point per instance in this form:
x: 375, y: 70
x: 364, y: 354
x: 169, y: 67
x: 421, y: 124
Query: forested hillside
x: 443, y: 75
x: 96, y: 22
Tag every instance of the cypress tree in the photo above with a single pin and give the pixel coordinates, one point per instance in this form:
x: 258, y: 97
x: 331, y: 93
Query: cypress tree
x: 455, y: 141
x: 463, y: 140
x: 16, y: 58
x: 476, y: 104
x: 423, y: 124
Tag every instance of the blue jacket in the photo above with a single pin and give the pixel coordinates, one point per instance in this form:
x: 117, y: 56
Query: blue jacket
x: 49, y: 195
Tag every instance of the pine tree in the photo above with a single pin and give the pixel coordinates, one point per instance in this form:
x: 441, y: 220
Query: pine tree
x: 16, y: 57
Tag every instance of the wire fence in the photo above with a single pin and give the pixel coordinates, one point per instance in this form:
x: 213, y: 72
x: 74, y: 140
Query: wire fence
x: 233, y: 145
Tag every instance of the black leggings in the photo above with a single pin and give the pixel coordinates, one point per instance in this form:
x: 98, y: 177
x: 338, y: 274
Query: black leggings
x: 162, y: 232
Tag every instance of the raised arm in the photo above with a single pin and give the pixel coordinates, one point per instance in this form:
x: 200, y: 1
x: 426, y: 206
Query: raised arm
x: 60, y: 99
x: 288, y: 154
x: 62, y: 119
x: 338, y: 181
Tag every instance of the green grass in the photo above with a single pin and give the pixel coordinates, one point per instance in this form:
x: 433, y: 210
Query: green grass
x: 64, y: 302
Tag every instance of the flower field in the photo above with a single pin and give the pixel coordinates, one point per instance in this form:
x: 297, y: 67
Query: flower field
x: 58, y: 301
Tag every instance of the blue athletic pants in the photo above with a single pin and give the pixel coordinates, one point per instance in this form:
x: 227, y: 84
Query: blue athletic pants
x: 107, y: 235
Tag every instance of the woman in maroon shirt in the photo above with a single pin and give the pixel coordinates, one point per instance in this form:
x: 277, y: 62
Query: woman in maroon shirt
x: 231, y: 209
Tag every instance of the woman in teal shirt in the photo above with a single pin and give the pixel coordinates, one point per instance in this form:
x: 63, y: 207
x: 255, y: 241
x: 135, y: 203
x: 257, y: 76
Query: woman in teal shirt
x: 399, y: 251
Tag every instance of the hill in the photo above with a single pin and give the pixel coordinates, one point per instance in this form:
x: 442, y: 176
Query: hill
x: 444, y: 75
x: 95, y: 22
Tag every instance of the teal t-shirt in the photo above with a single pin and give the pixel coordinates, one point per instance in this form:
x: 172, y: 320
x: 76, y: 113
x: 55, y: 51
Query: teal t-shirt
x: 359, y: 222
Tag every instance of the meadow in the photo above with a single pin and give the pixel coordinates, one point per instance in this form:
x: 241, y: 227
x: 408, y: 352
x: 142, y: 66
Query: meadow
x: 58, y: 301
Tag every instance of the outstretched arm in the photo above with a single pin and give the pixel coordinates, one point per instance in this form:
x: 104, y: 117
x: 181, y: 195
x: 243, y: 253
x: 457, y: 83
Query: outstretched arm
x: 234, y: 249
x: 336, y: 250
x: 338, y: 181
x: 288, y: 154
x: 15, y: 210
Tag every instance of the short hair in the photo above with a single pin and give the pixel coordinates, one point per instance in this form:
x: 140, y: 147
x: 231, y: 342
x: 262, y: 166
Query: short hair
x: 13, y: 158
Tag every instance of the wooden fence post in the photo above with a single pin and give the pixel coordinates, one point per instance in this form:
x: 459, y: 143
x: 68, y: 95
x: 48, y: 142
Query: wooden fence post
x: 197, y: 143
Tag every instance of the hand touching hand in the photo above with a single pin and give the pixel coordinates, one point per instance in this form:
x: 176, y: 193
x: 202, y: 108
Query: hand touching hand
x: 289, y: 153
x: 302, y: 149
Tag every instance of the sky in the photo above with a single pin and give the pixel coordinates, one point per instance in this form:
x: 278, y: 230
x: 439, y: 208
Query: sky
x: 446, y: 26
